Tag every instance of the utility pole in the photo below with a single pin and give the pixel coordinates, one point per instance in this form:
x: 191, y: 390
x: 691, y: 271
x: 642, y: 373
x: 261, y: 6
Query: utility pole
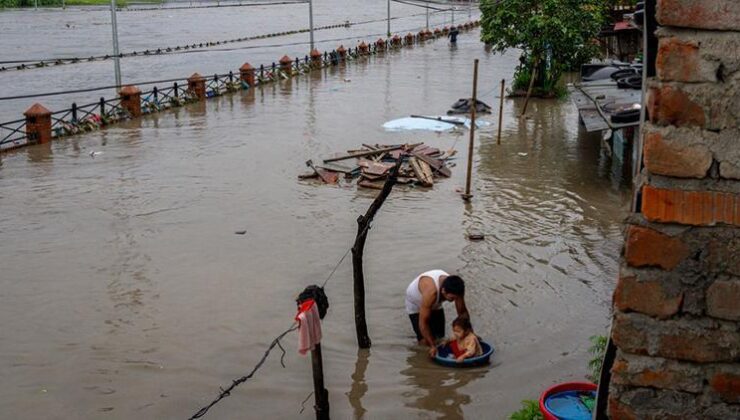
x: 467, y: 196
x: 470, y: 11
x: 427, y: 8
x: 389, y: 18
x: 116, y: 58
x: 310, y: 20
x: 453, y: 16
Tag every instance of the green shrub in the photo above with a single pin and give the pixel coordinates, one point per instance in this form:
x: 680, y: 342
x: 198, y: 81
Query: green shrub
x: 530, y: 411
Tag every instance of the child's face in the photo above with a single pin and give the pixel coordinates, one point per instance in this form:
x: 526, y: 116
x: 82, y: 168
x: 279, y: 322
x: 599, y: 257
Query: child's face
x: 458, y: 332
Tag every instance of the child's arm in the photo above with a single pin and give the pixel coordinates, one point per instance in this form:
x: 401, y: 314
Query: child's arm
x: 470, y: 348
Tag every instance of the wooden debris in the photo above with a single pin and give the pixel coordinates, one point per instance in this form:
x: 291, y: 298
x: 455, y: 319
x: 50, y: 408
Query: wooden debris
x: 423, y: 172
x: 373, y: 163
x: 437, y: 165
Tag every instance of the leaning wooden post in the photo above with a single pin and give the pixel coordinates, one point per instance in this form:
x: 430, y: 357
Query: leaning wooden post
x: 363, y: 224
x: 501, y: 111
x: 321, y: 395
x: 467, y: 196
x: 531, y: 85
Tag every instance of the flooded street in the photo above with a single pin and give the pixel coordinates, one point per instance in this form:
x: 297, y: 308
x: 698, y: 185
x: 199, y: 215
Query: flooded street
x: 125, y: 293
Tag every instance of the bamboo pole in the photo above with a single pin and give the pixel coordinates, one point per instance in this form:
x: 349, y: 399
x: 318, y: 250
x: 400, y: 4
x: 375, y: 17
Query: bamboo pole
x: 501, y: 111
x: 467, y: 196
x: 363, y: 225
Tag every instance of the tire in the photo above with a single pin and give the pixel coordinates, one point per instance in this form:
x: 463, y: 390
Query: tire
x: 620, y: 74
x: 631, y: 82
x: 632, y: 115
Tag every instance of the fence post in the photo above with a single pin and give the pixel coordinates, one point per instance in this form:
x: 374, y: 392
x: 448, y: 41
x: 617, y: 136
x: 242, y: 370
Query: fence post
x: 74, y: 112
x: 175, y: 90
x: 285, y: 64
x: 131, y: 100
x: 38, y: 124
x: 321, y: 395
x: 197, y: 86
x: 102, y: 107
x: 315, y: 58
x: 246, y: 73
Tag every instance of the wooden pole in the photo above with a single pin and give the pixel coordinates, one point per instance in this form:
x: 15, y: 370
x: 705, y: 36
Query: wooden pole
x: 321, y: 395
x: 501, y: 111
x: 363, y: 223
x: 467, y: 196
x: 531, y: 85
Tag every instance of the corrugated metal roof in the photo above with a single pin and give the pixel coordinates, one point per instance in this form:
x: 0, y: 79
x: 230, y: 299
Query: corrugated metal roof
x: 609, y: 99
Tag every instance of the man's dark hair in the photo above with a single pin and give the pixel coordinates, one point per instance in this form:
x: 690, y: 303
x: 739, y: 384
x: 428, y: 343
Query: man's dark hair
x: 462, y: 322
x: 454, y: 285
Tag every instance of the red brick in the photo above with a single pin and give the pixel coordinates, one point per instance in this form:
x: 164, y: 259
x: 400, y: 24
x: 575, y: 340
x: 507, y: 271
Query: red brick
x: 723, y: 300
x: 700, y: 14
x: 648, y: 297
x: 619, y: 411
x: 668, y: 105
x: 678, y: 60
x: 727, y: 385
x: 648, y: 247
x: 690, y: 207
x: 699, y: 346
x: 628, y: 336
x: 672, y: 158
x: 644, y: 371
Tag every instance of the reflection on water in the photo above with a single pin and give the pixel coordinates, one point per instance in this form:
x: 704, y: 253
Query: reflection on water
x: 359, y: 386
x: 438, y: 389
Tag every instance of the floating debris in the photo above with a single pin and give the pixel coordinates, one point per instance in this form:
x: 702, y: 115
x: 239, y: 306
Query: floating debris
x: 430, y: 123
x: 476, y: 236
x: 464, y: 106
x: 372, y: 164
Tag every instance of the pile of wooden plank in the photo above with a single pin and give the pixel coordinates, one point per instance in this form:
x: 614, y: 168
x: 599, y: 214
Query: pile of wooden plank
x: 371, y: 164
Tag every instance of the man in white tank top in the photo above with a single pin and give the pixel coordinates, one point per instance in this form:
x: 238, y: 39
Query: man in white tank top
x: 424, y: 298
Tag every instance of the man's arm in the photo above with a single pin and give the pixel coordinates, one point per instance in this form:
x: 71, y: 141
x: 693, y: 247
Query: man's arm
x: 424, y: 315
x: 462, y: 310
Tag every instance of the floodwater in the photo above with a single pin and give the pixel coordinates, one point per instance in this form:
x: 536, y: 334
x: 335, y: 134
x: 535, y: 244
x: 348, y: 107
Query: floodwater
x: 125, y: 292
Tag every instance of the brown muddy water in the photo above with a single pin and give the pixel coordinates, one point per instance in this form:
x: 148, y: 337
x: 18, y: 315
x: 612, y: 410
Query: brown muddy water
x: 125, y: 293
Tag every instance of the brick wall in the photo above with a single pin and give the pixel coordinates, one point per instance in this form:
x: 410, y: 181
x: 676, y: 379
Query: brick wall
x: 677, y: 304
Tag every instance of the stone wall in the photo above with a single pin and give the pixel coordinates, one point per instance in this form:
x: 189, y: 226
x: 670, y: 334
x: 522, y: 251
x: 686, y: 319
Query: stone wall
x: 677, y: 304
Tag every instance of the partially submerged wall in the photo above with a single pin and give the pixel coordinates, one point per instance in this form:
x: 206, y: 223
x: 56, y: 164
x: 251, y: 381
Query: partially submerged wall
x: 677, y: 304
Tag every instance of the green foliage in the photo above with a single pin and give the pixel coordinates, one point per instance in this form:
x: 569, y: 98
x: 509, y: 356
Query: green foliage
x: 597, y: 349
x: 554, y: 35
x: 530, y: 411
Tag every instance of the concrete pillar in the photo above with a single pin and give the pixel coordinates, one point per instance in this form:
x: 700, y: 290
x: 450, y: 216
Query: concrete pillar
x: 38, y: 124
x: 131, y: 100
x: 246, y: 74
x: 286, y: 64
x: 380, y: 44
x: 342, y: 52
x: 315, y: 58
x: 197, y: 86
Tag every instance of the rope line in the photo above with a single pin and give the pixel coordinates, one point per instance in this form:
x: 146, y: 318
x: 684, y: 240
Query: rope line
x: 33, y: 63
x: 94, y: 89
x: 236, y: 382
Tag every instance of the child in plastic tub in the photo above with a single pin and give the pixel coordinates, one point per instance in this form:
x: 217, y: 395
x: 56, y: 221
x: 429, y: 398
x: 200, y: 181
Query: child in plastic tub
x: 464, y: 343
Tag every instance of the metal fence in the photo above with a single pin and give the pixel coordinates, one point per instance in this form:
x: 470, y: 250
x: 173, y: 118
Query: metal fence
x: 93, y: 116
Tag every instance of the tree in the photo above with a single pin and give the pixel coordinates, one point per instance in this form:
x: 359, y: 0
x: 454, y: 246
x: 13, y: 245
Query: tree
x: 554, y: 36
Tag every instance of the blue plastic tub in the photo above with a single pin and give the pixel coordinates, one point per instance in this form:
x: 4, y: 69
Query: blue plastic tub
x: 445, y: 357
